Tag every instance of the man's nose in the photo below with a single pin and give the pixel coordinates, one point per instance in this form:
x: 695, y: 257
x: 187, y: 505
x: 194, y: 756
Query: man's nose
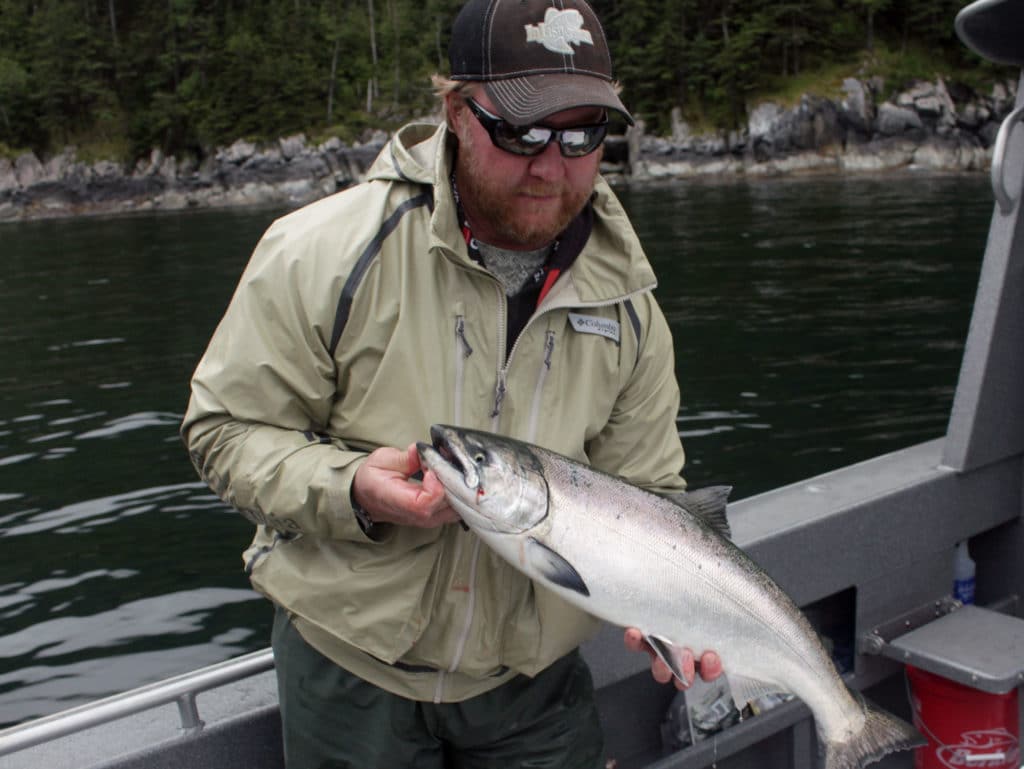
x: 549, y: 164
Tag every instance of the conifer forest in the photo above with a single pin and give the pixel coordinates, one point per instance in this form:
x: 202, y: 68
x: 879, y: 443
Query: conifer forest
x: 119, y: 77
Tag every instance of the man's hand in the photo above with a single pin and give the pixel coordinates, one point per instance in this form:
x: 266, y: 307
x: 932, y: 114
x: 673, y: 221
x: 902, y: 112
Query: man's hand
x: 382, y: 486
x: 710, y: 663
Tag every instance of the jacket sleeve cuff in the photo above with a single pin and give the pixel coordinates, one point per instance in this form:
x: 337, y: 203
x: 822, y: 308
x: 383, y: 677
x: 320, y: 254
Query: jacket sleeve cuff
x: 375, y: 531
x: 372, y: 530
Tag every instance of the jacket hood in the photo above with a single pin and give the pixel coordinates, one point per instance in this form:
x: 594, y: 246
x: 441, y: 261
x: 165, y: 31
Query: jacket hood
x: 411, y: 155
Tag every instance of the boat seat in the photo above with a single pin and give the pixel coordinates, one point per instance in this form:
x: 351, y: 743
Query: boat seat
x: 976, y: 647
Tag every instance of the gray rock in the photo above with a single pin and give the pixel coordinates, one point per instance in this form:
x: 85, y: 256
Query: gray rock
x: 237, y: 153
x: 334, y: 144
x: 106, y: 169
x: 28, y: 169
x: 764, y: 120
x: 292, y: 146
x: 269, y: 160
x: 937, y: 154
x: 657, y: 145
x: 857, y: 108
x: 207, y: 170
x: 928, y: 105
x: 811, y: 125
x: 168, y: 169
x: 988, y: 133
x: 8, y: 179
x: 893, y: 121
x: 972, y: 117
x: 375, y: 138
x: 887, y: 154
x: 60, y: 166
x: 681, y: 134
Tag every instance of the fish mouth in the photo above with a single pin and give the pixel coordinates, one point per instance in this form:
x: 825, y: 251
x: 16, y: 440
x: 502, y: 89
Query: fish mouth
x: 447, y: 446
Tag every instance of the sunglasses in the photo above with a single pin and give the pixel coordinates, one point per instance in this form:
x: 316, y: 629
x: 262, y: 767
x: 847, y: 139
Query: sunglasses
x: 574, y: 142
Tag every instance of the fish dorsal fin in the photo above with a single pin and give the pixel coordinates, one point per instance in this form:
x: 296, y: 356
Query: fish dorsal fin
x: 554, y: 567
x: 668, y: 653
x: 708, y: 504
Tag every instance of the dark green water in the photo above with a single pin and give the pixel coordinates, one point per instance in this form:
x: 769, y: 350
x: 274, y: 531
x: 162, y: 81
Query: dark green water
x: 817, y: 323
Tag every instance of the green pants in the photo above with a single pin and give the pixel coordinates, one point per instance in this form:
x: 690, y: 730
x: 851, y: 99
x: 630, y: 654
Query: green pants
x: 332, y: 719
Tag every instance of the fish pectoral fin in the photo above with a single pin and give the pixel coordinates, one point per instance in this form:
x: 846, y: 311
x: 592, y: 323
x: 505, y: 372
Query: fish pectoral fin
x: 668, y: 653
x: 554, y: 567
x: 746, y: 689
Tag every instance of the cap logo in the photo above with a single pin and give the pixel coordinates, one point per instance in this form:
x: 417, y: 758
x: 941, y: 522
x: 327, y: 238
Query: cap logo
x: 559, y: 30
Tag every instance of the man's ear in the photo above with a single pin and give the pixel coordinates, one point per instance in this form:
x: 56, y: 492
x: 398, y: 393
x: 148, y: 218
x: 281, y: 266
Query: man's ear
x: 452, y: 106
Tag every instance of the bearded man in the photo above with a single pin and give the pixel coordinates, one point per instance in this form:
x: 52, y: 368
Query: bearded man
x: 485, y: 276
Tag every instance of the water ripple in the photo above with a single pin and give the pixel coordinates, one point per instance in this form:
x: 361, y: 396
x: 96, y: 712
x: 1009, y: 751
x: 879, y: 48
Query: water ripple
x: 86, y: 343
x: 132, y: 422
x: 90, y: 513
x: 160, y: 616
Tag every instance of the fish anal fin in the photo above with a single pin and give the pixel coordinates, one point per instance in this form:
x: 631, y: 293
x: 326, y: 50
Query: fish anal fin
x: 746, y: 689
x: 554, y: 568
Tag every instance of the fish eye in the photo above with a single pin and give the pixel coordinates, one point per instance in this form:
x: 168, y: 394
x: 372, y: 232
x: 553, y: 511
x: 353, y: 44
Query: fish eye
x: 479, y: 457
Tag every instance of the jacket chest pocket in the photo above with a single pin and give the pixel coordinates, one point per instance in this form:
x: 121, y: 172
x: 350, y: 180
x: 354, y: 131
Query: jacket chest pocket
x: 571, y: 380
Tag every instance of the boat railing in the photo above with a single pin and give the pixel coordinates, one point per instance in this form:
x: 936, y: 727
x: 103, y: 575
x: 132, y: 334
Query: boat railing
x: 181, y: 690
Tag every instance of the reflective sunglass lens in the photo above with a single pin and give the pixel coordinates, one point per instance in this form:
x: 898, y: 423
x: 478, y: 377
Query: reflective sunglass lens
x: 581, y: 141
x: 532, y: 140
x: 522, y: 141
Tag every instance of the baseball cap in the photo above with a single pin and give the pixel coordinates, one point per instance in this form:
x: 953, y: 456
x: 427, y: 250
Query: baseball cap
x: 534, y: 57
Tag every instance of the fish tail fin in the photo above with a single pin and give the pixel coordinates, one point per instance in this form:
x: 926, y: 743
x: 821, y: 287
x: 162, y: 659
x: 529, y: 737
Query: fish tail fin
x: 882, y: 734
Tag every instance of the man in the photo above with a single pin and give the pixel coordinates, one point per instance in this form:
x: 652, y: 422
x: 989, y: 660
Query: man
x: 485, y: 276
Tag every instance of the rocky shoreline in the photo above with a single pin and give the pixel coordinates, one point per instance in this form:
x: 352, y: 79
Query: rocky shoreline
x: 931, y: 126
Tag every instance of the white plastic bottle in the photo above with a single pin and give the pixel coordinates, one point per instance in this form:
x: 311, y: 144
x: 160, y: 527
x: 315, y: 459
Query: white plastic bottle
x: 963, y: 574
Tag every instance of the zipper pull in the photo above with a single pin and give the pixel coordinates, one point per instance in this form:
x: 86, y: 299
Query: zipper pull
x: 549, y: 348
x: 460, y: 334
x: 499, y: 395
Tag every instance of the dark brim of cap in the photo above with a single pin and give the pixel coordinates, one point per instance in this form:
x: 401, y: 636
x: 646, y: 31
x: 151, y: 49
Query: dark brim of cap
x: 526, y: 100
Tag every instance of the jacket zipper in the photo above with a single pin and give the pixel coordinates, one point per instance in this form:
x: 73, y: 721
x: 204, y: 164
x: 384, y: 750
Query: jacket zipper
x: 462, y: 351
x: 503, y: 359
x: 538, y: 390
x: 467, y: 623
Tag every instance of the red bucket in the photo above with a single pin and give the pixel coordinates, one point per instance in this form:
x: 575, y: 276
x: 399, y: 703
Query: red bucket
x: 965, y: 727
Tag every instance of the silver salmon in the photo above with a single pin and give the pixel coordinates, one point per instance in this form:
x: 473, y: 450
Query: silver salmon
x: 635, y: 559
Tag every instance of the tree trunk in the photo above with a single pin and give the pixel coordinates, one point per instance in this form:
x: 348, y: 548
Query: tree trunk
x: 393, y: 13
x: 331, y: 82
x: 437, y: 43
x: 796, y: 46
x: 113, y: 22
x: 175, y: 68
x: 371, y: 87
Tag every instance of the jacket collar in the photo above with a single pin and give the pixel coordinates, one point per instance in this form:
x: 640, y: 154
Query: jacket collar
x: 610, y: 266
